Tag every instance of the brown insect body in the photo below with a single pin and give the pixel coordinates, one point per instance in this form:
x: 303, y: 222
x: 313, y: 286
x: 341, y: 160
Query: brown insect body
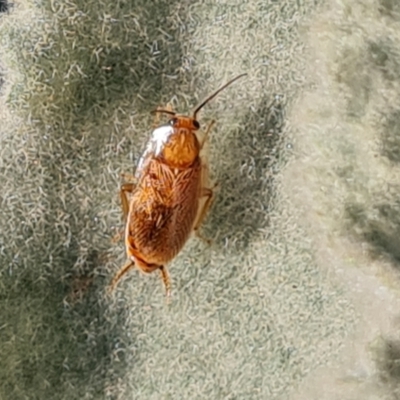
x: 166, y: 205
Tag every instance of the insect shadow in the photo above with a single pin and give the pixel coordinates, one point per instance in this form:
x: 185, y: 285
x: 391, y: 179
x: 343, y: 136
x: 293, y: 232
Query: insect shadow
x: 251, y: 158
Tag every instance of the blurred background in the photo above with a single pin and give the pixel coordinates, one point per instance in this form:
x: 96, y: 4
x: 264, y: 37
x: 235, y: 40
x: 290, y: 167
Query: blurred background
x: 298, y: 295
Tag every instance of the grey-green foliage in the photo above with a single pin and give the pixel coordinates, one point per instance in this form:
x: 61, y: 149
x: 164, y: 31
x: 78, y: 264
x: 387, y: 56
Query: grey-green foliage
x: 82, y: 60
x: 251, y: 315
x: 81, y: 67
x: 349, y: 125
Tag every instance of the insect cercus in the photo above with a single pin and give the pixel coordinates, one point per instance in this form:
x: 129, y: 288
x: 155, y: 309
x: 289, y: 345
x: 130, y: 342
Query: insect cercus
x: 169, y: 194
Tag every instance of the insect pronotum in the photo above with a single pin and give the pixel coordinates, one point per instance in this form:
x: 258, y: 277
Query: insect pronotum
x: 169, y: 194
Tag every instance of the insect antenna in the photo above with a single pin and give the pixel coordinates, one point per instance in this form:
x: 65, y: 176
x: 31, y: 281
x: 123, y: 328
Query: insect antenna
x: 198, y: 108
x: 163, y: 112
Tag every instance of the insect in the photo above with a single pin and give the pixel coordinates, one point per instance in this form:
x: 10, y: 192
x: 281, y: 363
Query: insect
x: 168, y: 196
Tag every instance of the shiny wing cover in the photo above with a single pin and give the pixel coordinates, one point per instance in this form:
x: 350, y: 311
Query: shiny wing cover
x: 163, y: 209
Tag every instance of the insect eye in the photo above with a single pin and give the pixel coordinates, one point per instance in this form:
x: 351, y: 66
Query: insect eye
x: 173, y: 121
x: 196, y: 124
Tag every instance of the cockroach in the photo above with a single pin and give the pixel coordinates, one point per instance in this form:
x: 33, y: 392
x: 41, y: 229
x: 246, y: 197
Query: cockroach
x: 169, y: 195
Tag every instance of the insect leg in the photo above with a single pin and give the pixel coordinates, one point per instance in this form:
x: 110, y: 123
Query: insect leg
x: 158, y: 114
x: 125, y: 188
x: 128, y: 177
x: 209, y: 193
x: 206, y: 133
x: 127, y: 266
x: 166, y: 279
